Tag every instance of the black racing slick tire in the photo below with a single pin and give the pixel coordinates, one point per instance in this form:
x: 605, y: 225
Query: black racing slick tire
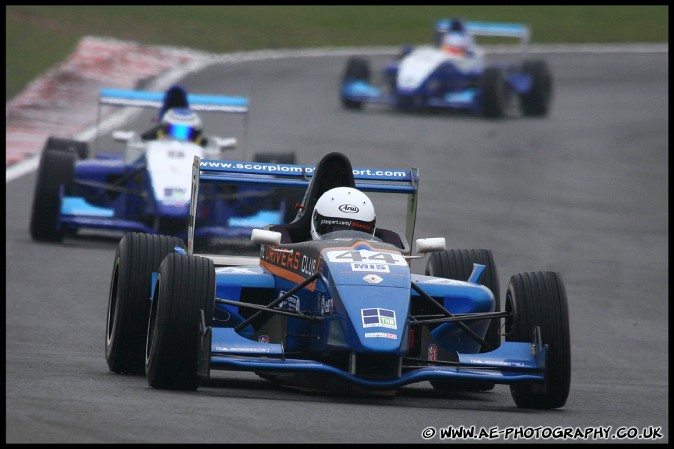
x: 79, y: 149
x: 536, y: 102
x: 494, y: 94
x: 54, y: 177
x: 137, y: 257
x: 357, y: 69
x: 185, y: 286
x: 539, y: 299
x: 458, y: 264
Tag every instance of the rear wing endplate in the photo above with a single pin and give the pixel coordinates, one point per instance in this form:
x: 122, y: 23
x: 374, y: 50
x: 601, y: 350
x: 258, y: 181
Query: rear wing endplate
x: 404, y: 181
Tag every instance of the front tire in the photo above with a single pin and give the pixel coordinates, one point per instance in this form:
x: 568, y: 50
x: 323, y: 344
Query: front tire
x: 458, y: 264
x: 137, y: 257
x: 539, y: 299
x: 536, y: 102
x: 357, y: 69
x: 54, y: 177
x: 185, y: 285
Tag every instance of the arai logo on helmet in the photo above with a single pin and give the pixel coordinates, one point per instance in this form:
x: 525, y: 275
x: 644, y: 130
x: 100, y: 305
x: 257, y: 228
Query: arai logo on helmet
x: 348, y: 209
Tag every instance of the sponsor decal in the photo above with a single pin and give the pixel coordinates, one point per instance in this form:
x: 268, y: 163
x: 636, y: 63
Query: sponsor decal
x: 178, y: 191
x: 371, y: 267
x: 432, y: 352
x: 302, y: 169
x: 239, y: 349
x: 348, y: 209
x: 263, y: 338
x: 380, y: 335
x: 327, y: 305
x: 379, y: 318
x: 291, y: 303
x: 496, y: 362
x: 349, y: 224
x: 372, y: 279
x: 442, y: 281
x: 294, y: 261
x: 366, y: 256
x: 334, y: 221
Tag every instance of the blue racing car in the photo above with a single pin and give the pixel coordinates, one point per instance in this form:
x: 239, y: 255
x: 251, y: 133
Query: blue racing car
x: 453, y: 74
x: 331, y: 302
x: 147, y: 186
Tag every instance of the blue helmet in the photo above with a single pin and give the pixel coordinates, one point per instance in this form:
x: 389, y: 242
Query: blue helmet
x: 175, y: 97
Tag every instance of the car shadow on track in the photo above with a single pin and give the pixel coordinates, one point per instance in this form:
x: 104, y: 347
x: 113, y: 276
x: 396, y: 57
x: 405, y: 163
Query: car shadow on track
x: 418, y: 396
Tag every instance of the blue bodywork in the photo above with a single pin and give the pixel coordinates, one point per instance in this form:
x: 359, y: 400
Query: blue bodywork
x: 147, y: 187
x: 348, y: 307
x: 360, y: 320
x: 92, y: 207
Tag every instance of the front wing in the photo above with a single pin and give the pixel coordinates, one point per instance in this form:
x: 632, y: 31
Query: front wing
x: 364, y: 92
x: 511, y: 363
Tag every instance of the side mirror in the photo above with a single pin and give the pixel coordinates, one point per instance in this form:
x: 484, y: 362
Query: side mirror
x: 224, y: 143
x: 264, y: 237
x: 122, y: 136
x: 431, y: 245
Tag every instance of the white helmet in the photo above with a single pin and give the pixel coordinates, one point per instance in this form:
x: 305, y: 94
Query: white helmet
x: 181, y: 124
x: 457, y: 43
x: 342, y: 208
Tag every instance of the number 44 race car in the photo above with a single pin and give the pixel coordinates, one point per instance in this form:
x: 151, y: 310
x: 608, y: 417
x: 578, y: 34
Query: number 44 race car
x: 342, y: 312
x: 453, y: 75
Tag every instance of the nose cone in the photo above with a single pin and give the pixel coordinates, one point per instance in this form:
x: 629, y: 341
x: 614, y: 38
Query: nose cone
x: 378, y: 317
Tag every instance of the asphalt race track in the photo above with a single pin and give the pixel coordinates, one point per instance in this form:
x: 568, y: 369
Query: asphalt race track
x: 582, y: 192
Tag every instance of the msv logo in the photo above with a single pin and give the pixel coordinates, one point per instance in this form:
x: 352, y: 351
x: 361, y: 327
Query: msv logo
x: 348, y: 208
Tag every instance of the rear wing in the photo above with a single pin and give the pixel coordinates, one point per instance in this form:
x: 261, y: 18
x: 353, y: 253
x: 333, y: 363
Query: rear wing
x: 496, y: 29
x: 155, y: 100
x: 404, y: 181
x: 147, y: 99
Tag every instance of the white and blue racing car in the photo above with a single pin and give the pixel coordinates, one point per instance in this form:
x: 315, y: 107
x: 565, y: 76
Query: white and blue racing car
x: 453, y: 74
x: 146, y: 186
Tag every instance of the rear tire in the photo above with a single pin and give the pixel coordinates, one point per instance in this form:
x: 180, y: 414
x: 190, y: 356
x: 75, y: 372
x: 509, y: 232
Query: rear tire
x: 458, y: 264
x: 185, y: 285
x: 137, y: 257
x: 539, y: 299
x: 536, y: 102
x: 54, y: 178
x: 357, y: 69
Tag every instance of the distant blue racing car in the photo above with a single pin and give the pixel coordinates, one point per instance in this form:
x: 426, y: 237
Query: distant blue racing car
x: 147, y: 186
x: 343, y: 312
x: 453, y: 74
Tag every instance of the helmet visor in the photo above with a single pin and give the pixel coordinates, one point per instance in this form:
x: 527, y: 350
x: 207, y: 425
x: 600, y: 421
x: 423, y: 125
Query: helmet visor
x: 182, y: 132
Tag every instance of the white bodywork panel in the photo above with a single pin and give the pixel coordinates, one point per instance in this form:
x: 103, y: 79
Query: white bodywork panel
x: 169, y: 163
x: 419, y: 64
